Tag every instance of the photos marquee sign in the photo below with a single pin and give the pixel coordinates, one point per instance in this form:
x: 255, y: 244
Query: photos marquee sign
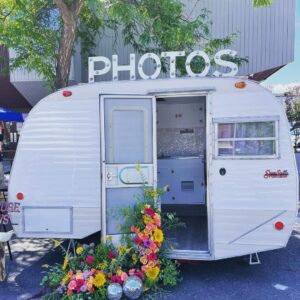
x: 107, y: 65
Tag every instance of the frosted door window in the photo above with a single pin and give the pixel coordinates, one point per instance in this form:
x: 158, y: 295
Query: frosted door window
x: 247, y: 139
x: 128, y: 129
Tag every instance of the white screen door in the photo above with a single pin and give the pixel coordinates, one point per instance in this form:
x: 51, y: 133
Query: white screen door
x: 128, y: 153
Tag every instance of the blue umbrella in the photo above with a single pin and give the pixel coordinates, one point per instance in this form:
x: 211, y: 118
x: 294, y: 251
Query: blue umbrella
x: 7, y: 115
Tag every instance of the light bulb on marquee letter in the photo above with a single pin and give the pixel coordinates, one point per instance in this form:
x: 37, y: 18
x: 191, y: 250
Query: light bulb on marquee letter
x: 189, y: 60
x: 141, y: 63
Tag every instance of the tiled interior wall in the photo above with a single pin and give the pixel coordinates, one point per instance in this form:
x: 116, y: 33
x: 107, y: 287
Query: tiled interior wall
x: 181, y: 127
x: 171, y: 142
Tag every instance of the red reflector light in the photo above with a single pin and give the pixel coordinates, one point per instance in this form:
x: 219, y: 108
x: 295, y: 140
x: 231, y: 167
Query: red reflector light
x: 279, y: 225
x: 20, y: 196
x: 67, y: 93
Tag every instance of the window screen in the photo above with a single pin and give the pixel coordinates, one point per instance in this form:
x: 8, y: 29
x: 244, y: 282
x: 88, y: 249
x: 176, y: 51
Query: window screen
x: 247, y: 139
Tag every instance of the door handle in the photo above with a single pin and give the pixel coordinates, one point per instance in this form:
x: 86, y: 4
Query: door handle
x: 109, y: 176
x: 222, y: 171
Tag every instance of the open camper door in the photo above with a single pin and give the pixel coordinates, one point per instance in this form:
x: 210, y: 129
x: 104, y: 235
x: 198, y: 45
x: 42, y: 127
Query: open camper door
x: 128, y: 154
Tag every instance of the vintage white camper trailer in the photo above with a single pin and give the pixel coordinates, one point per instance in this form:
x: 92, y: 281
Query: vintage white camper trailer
x: 223, y: 148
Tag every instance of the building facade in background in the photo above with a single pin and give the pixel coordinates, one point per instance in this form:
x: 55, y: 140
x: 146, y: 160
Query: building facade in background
x: 265, y: 36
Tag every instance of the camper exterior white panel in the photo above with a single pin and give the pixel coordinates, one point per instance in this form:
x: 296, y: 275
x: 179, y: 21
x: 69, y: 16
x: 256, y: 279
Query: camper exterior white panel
x: 47, y: 220
x: 246, y: 205
x: 58, y: 159
x: 58, y: 163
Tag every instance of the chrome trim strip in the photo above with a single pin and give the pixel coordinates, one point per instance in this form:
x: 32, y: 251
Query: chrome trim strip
x: 258, y: 226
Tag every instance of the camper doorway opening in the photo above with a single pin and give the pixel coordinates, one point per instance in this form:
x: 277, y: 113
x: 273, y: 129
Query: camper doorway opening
x: 211, y: 142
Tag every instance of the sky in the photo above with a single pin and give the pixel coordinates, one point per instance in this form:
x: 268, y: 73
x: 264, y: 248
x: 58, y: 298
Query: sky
x: 291, y: 72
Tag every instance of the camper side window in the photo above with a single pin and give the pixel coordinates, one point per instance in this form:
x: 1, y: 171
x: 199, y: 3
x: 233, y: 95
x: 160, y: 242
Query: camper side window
x: 240, y: 139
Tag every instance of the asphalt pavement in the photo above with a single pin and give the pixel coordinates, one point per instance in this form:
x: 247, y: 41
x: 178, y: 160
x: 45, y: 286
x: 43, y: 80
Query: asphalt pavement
x: 277, y: 277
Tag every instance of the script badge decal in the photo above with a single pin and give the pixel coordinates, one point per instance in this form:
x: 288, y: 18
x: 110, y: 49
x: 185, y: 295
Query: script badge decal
x: 276, y: 174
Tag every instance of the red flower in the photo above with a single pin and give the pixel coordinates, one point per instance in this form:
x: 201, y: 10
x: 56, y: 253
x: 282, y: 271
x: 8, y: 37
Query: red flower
x: 152, y: 256
x: 90, y: 259
x: 140, y: 274
x: 111, y: 255
x: 79, y: 283
x: 92, y: 290
x: 138, y: 241
x: 69, y: 292
x: 149, y: 211
x: 117, y: 279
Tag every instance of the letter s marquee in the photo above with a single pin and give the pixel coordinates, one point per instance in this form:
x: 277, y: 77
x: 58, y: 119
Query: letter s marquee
x: 172, y: 55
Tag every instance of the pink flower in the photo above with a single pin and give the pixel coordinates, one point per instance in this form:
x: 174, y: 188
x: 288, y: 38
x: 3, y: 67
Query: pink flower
x: 152, y: 246
x: 72, y: 285
x: 116, y: 279
x: 149, y: 211
x: 150, y: 227
x: 111, y: 255
x: 131, y: 272
x: 152, y: 256
x: 138, y: 240
x: 90, y: 259
x: 124, y: 276
x: 140, y: 274
x: 79, y: 283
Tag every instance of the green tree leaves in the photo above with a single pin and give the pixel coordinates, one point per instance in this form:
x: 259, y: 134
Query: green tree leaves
x: 39, y: 30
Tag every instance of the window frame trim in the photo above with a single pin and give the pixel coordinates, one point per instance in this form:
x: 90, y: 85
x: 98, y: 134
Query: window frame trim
x: 217, y: 121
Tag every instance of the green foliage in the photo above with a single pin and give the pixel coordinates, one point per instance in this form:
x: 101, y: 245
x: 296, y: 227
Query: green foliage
x: 169, y: 275
x: 53, y: 277
x: 34, y: 30
x: 257, y: 3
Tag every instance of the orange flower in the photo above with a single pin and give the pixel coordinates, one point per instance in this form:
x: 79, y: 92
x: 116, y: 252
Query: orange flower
x: 143, y: 260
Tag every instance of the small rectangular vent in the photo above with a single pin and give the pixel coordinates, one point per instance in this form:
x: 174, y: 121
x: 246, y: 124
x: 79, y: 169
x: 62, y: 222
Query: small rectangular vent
x: 187, y: 131
x: 187, y: 186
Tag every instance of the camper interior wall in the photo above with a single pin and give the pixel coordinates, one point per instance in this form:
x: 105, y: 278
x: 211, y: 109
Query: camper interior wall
x: 181, y: 148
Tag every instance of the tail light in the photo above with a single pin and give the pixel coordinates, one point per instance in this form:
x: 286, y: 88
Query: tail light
x: 20, y: 196
x: 67, y: 93
x: 279, y: 225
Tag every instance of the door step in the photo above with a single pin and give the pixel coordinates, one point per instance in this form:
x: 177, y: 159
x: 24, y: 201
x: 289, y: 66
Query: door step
x: 190, y: 255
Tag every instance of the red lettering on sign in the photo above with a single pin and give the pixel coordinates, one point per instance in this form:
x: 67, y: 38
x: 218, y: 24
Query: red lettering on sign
x: 276, y: 174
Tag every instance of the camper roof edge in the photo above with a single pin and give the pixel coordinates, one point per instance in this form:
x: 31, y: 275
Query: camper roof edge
x: 181, y: 90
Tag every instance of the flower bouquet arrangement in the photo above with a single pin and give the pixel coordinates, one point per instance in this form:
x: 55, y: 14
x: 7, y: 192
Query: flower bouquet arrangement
x: 138, y: 265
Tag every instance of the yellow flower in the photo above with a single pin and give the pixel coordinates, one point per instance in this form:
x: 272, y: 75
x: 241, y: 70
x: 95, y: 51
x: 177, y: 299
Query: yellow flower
x: 45, y: 266
x: 102, y: 266
x: 143, y: 260
x: 57, y: 243
x: 66, y: 279
x: 109, y: 238
x: 138, y: 168
x: 90, y: 282
x: 121, y: 250
x: 79, y: 250
x: 158, y: 236
x: 147, y: 220
x: 99, y: 280
x: 65, y: 264
x: 134, y: 258
x: 152, y: 193
x: 165, y: 188
x: 152, y: 273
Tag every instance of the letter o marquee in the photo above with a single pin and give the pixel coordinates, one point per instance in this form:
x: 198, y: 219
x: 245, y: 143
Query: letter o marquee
x: 189, y: 60
x: 141, y: 63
